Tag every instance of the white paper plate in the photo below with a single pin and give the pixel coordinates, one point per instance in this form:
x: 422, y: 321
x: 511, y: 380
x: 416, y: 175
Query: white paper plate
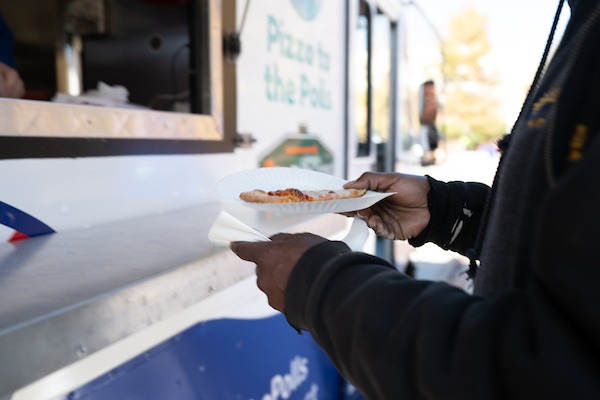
x: 278, y: 178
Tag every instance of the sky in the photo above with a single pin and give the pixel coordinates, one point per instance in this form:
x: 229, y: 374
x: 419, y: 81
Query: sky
x: 517, y: 29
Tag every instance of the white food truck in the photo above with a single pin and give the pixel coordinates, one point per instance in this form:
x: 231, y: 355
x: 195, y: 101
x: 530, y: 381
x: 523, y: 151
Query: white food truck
x: 134, y: 111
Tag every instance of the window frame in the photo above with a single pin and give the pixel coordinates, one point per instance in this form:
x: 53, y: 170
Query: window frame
x: 39, y: 129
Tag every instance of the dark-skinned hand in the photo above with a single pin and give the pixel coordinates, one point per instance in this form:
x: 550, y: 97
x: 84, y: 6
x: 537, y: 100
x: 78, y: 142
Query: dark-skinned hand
x: 275, y: 261
x: 401, y: 216
x: 11, y: 84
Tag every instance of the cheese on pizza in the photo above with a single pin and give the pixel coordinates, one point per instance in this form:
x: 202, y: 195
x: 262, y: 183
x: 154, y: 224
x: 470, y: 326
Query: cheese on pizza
x: 292, y: 195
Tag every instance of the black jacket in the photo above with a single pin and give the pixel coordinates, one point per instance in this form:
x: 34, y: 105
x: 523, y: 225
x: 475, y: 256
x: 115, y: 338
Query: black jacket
x: 532, y: 328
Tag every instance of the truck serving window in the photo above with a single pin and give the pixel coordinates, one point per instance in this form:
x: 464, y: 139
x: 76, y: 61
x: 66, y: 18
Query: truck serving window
x: 120, y: 77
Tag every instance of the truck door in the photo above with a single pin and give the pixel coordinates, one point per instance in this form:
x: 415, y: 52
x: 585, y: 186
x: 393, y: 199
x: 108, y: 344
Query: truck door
x: 373, y: 96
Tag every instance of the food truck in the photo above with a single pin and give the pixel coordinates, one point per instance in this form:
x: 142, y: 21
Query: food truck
x: 134, y: 111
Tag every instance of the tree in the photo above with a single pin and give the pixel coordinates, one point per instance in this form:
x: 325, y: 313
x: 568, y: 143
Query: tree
x: 471, y: 110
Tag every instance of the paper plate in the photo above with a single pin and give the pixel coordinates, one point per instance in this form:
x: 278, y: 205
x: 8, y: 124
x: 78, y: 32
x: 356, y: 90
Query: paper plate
x: 276, y: 178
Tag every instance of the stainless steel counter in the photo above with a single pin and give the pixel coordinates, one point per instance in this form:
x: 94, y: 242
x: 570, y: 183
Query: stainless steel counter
x: 68, y: 295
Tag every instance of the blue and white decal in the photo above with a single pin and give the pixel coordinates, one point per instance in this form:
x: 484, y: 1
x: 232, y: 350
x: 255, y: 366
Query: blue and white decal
x: 24, y: 224
x: 307, y: 9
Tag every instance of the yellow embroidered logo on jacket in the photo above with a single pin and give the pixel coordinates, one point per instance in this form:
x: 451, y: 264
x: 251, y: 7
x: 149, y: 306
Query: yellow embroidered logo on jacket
x: 540, y: 108
x: 537, y: 119
x: 577, y: 143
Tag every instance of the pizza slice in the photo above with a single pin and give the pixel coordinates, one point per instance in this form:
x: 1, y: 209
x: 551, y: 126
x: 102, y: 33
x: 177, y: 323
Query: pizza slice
x: 292, y: 195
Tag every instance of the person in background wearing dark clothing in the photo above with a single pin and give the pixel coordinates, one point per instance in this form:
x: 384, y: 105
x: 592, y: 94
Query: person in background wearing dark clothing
x: 531, y: 327
x: 430, y: 136
x: 11, y: 84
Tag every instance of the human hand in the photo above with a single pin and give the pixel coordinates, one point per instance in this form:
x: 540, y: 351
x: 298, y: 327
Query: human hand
x: 401, y: 216
x: 11, y: 84
x: 275, y: 261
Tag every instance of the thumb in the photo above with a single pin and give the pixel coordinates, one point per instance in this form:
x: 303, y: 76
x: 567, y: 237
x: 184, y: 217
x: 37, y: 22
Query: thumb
x: 356, y: 184
x: 246, y: 250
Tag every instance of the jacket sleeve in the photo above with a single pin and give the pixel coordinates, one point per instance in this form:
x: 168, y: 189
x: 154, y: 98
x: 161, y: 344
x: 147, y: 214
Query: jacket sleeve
x: 397, y: 338
x: 456, y: 211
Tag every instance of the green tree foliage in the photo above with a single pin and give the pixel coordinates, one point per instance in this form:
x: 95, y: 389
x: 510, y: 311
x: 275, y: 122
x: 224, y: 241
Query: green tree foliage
x: 471, y: 109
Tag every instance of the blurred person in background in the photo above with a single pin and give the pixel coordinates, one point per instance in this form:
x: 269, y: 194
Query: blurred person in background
x: 530, y: 329
x: 428, y: 107
x: 11, y: 84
